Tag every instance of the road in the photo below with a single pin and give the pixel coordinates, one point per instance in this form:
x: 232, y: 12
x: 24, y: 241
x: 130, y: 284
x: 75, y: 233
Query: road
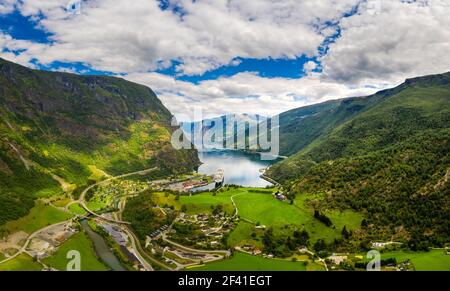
x: 136, y: 246
x: 319, y: 258
x: 82, y: 202
x: 226, y: 253
x: 33, y: 235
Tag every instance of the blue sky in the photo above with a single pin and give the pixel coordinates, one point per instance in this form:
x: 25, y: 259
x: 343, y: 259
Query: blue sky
x: 25, y: 28
x: 22, y: 27
x: 251, y: 57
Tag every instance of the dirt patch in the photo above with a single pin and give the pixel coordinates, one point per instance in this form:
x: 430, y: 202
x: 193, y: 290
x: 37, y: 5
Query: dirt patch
x: 67, y: 187
x: 13, y: 241
x: 443, y: 181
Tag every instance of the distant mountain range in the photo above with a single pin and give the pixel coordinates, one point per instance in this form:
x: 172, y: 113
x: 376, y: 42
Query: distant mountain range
x: 220, y: 132
x: 56, y: 129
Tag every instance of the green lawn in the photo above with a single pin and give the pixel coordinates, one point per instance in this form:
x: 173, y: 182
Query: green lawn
x: 96, y: 205
x: 349, y: 218
x: 78, y: 242
x: 434, y: 260
x: 62, y: 202
x: 77, y: 209
x: 246, y: 262
x: 241, y: 235
x: 40, y: 216
x: 318, y: 230
x: 201, y: 203
x: 22, y: 262
x: 266, y: 210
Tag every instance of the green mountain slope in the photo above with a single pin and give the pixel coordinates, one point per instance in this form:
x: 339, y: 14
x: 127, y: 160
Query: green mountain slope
x: 390, y: 161
x: 59, y: 126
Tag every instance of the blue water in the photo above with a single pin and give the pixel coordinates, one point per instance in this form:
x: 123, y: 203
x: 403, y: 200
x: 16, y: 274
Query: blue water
x: 239, y: 168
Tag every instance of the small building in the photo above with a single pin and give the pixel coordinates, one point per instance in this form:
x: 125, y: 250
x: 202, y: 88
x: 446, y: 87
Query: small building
x: 257, y: 252
x: 337, y: 259
x: 280, y: 197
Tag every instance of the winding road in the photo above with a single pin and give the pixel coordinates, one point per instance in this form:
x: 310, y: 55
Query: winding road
x: 82, y: 202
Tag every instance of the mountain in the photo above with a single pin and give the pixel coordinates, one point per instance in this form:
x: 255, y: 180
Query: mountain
x: 58, y: 129
x: 385, y: 155
x: 220, y: 131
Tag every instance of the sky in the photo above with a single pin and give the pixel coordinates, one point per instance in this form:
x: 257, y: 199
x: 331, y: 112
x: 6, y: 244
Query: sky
x: 232, y: 56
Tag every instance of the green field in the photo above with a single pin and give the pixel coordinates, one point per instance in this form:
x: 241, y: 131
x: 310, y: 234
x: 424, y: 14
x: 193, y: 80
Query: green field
x: 78, y: 242
x: 199, y: 203
x: 316, y: 229
x: 39, y: 217
x: 62, y: 202
x: 241, y: 235
x: 246, y: 262
x: 264, y: 209
x: 202, y: 203
x: 77, y: 209
x: 22, y: 262
x: 96, y: 205
x: 434, y: 260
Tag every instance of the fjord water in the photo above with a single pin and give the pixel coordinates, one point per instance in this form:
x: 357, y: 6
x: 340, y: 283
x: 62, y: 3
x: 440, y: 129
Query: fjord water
x: 240, y: 168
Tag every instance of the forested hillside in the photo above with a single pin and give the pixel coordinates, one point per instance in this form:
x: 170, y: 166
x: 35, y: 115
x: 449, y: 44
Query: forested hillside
x: 57, y: 129
x: 389, y: 161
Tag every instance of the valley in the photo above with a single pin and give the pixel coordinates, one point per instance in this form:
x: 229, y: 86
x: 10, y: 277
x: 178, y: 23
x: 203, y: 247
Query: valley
x: 87, y: 164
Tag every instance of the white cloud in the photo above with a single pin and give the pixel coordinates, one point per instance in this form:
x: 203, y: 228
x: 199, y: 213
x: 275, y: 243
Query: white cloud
x: 308, y: 67
x: 243, y: 93
x: 7, y: 6
x: 384, y: 43
x: 130, y: 36
x: 388, y: 41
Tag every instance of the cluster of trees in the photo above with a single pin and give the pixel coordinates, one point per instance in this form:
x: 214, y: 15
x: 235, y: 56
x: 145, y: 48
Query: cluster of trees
x: 18, y: 186
x: 284, y: 246
x: 323, y: 218
x: 383, y: 262
x: 144, y: 218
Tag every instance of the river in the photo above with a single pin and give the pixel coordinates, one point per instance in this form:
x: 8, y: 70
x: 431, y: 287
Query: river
x: 102, y: 249
x: 240, y: 168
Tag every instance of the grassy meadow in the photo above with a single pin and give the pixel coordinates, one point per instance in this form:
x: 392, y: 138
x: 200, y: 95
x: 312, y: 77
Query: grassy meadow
x: 22, y: 262
x: 246, y: 262
x: 81, y: 243
x: 40, y: 216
